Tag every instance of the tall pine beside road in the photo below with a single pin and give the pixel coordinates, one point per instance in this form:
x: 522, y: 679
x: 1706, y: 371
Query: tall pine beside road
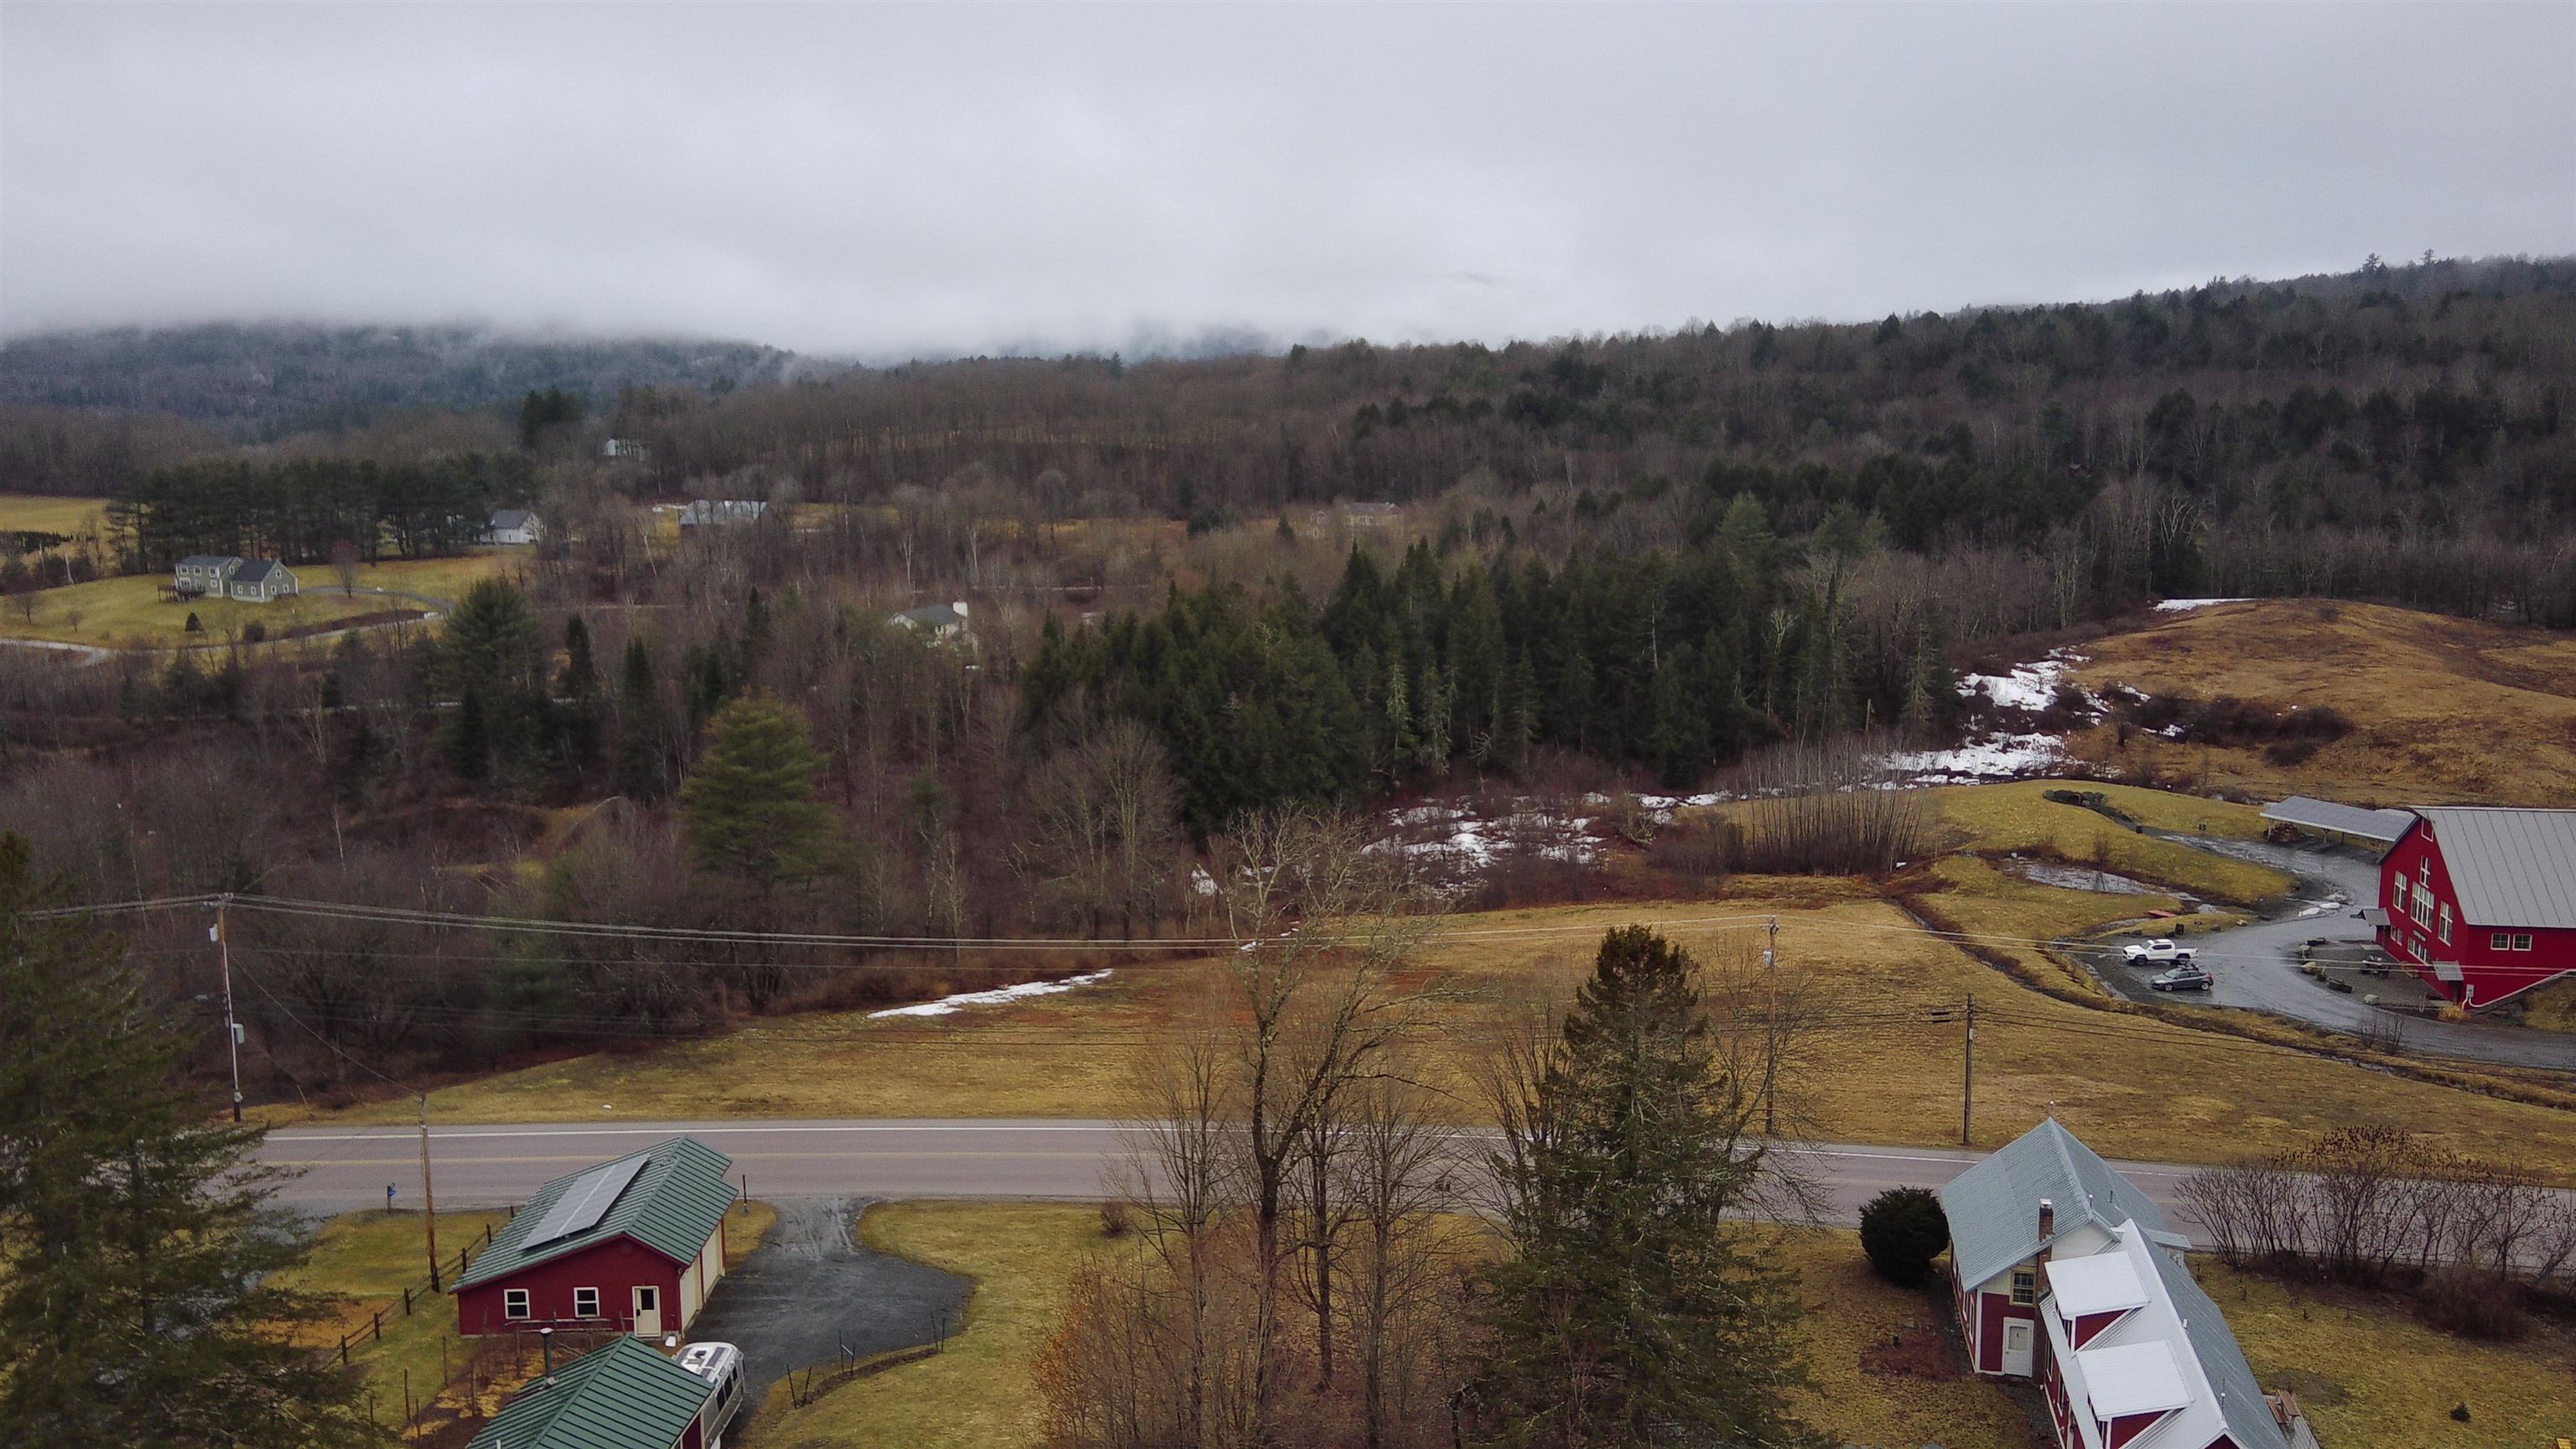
x: 1632, y: 1309
x: 134, y: 1308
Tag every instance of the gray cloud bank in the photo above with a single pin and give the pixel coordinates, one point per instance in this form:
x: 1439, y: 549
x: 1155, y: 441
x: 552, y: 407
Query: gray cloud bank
x: 881, y: 180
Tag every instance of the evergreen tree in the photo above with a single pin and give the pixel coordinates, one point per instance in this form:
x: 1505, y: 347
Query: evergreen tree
x: 1635, y: 1309
x: 139, y: 1306
x: 642, y: 749
x: 577, y: 686
x: 490, y: 654
x: 749, y: 806
x: 469, y: 737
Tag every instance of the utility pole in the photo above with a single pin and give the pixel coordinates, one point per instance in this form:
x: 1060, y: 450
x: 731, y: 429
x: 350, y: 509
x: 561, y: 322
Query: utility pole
x: 232, y: 1028
x: 428, y: 1197
x: 1968, y: 1074
x: 1770, y: 1026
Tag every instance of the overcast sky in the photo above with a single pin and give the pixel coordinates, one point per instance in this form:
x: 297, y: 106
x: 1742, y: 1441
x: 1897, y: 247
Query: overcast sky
x: 888, y: 180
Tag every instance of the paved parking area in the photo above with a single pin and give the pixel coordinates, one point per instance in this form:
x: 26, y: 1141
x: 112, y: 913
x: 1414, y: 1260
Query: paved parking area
x: 811, y: 1293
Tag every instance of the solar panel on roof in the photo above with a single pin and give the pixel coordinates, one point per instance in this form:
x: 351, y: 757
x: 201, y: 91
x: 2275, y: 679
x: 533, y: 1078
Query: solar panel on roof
x: 586, y: 1201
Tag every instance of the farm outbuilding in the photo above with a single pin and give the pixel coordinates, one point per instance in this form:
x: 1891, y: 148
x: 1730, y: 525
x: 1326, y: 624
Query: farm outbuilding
x: 2480, y: 901
x: 627, y: 1395
x: 636, y: 1244
x: 2341, y: 824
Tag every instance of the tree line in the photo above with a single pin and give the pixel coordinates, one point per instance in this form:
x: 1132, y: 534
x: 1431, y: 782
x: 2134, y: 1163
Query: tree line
x: 301, y: 510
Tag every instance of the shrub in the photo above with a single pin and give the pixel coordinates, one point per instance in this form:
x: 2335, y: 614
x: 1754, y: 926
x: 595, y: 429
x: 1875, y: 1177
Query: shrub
x: 1903, y: 1230
x: 2471, y: 1303
x: 253, y: 632
x: 196, y: 625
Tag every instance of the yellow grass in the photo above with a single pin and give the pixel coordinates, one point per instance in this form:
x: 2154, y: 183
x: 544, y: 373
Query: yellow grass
x: 2551, y: 1007
x: 39, y: 513
x: 132, y: 612
x: 979, y: 1394
x: 2017, y: 817
x: 2445, y: 710
x: 2372, y: 1377
x: 1851, y: 1311
x: 365, y: 1260
x: 2131, y: 1086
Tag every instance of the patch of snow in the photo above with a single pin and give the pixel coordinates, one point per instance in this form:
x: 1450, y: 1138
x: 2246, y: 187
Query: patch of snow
x: 1000, y: 996
x: 2001, y: 757
x: 2028, y: 686
x: 2181, y: 606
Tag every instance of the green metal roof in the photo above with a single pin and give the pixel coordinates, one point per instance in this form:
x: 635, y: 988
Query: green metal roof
x: 624, y: 1396
x: 672, y: 1207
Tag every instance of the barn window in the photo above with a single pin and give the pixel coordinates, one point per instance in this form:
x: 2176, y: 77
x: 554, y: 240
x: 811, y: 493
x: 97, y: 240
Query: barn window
x: 585, y: 1303
x: 2424, y: 868
x: 2025, y: 1285
x: 2400, y: 897
x: 2445, y: 927
x: 2522, y: 941
x: 2499, y: 942
x: 514, y: 1303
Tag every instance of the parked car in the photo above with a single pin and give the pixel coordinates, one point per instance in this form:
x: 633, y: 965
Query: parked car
x: 2185, y: 977
x: 2158, y: 952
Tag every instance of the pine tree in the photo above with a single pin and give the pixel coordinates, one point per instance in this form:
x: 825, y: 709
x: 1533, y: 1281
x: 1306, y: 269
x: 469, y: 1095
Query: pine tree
x: 469, y: 737
x: 1636, y: 1308
x: 140, y: 1305
x: 577, y: 686
x: 749, y: 806
x: 641, y: 749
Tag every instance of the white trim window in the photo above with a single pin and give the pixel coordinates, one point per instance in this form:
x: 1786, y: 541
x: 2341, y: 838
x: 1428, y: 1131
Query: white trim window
x: 2500, y: 941
x: 585, y: 1303
x: 514, y: 1304
x: 2522, y: 940
x: 2398, y: 899
x: 2025, y: 1285
x: 2444, y: 929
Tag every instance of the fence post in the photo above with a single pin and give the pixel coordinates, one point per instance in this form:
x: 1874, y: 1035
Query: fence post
x: 380, y: 1325
x: 406, y: 1303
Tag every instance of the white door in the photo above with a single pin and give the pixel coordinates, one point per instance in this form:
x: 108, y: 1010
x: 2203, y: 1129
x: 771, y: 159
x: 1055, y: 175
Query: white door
x: 2016, y: 1345
x: 648, y: 1319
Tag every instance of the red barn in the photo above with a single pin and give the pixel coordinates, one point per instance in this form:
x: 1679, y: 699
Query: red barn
x: 2481, y: 901
x: 635, y: 1244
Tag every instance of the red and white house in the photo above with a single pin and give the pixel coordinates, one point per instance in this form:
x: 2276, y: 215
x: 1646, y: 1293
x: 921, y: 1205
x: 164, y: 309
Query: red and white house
x: 2045, y: 1190
x: 635, y: 1245
x: 2480, y: 901
x: 2064, y: 1272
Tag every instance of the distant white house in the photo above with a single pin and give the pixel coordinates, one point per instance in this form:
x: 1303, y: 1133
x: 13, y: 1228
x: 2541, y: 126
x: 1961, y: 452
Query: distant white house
x: 514, y: 526
x: 260, y: 580
x: 1358, y: 517
x: 621, y: 448
x: 723, y: 513
x: 940, y: 622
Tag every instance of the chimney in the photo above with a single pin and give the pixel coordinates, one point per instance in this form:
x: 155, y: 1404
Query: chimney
x: 2047, y: 1226
x: 546, y: 1336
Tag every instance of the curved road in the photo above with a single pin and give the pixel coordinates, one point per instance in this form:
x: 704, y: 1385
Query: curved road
x: 488, y: 1166
x: 2257, y: 969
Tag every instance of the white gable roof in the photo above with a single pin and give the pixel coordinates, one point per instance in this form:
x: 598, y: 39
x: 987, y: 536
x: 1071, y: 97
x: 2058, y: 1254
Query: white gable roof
x: 2102, y: 1283
x: 2171, y: 1355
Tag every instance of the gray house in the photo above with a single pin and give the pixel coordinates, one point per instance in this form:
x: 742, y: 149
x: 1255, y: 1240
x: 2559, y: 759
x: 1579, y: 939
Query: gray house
x: 201, y: 574
x: 259, y: 580
x: 941, y: 622
x: 514, y: 526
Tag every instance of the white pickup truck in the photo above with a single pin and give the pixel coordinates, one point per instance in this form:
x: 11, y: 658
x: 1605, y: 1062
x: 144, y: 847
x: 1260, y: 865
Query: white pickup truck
x: 2159, y: 952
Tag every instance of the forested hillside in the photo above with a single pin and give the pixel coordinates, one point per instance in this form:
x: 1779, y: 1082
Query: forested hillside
x: 268, y: 381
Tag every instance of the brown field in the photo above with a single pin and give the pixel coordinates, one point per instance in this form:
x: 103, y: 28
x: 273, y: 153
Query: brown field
x: 2445, y: 710
x: 40, y: 513
x: 2134, y: 1087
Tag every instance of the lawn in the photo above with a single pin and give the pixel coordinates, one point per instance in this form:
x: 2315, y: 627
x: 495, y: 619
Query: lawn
x: 2132, y: 1086
x: 365, y: 1260
x: 1884, y: 1362
x: 2372, y: 1377
x: 978, y: 1394
x: 2443, y: 709
x: 131, y: 611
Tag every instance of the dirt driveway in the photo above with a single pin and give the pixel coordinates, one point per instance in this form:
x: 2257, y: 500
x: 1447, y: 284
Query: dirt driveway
x: 811, y: 1293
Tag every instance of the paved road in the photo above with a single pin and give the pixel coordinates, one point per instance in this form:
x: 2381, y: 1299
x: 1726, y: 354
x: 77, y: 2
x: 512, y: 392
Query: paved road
x: 346, y: 1168
x: 2257, y: 969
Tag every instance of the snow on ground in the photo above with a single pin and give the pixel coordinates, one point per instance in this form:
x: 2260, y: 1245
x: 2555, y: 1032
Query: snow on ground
x: 1454, y: 844
x: 2028, y: 686
x: 2183, y: 606
x: 999, y: 997
x: 1997, y: 757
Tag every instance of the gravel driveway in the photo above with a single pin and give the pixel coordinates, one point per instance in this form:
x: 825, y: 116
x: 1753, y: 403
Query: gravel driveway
x: 811, y: 1292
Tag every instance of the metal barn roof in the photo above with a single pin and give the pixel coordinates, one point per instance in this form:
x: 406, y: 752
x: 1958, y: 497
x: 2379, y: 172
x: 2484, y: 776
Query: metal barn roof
x: 2511, y: 867
x: 672, y: 1205
x: 624, y: 1396
x: 2383, y: 826
x: 1993, y: 1207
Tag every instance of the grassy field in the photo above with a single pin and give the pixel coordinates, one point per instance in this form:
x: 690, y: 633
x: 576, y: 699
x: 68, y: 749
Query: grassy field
x: 978, y: 1394
x: 1884, y: 1361
x: 2371, y: 1377
x: 364, y: 1261
x: 2133, y: 1087
x: 130, y: 612
x: 2016, y: 817
x: 39, y: 513
x: 2444, y: 710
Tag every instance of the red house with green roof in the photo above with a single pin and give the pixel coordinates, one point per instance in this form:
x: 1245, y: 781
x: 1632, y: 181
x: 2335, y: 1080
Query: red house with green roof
x: 635, y: 1244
